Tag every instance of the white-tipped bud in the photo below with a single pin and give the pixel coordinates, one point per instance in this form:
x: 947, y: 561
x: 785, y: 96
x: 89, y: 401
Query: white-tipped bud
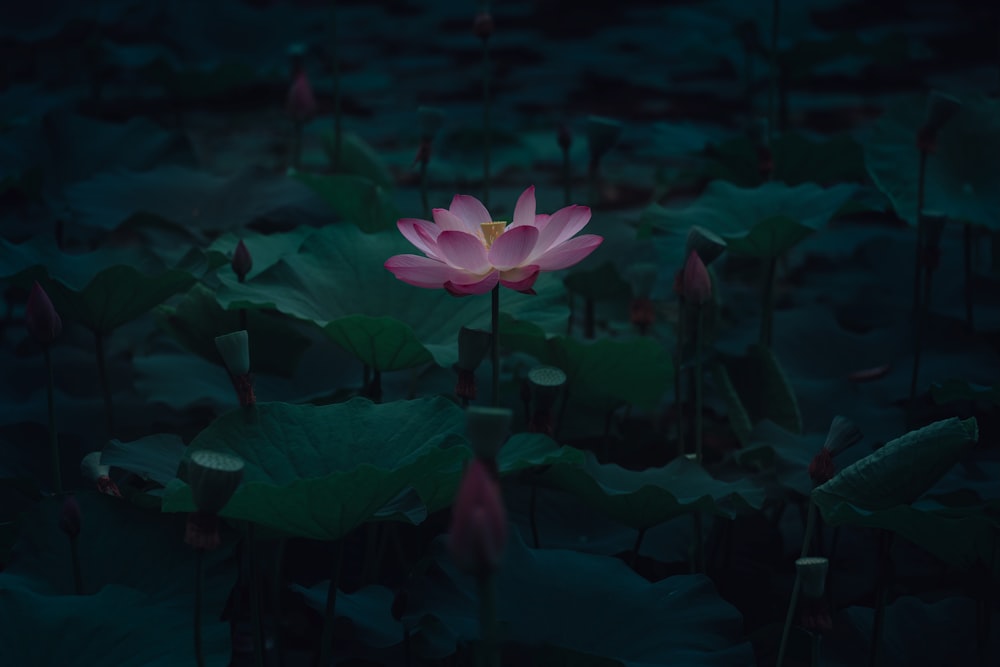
x: 487, y: 430
x: 92, y: 469
x: 235, y: 351
x: 812, y: 573
x: 214, y: 478
x: 842, y: 435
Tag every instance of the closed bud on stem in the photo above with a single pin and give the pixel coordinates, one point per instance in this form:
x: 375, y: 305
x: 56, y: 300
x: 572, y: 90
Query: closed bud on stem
x: 70, y: 518
x: 941, y: 108
x: 40, y: 316
x: 93, y: 470
x: 478, y: 533
x: 301, y: 102
x: 483, y: 25
x: 843, y: 434
x: 242, y: 261
x: 602, y: 135
x: 487, y: 430
x: 696, y: 283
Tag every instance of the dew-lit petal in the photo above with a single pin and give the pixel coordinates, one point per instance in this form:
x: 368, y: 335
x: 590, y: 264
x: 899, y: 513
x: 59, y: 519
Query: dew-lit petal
x: 568, y: 253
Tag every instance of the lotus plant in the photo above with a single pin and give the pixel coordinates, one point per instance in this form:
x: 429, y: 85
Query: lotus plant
x: 467, y: 252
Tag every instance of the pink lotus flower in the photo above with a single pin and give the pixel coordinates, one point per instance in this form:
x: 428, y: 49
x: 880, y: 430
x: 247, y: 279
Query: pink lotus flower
x: 467, y: 252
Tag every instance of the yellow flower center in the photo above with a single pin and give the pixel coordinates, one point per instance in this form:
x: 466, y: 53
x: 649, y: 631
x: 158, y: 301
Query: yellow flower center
x: 492, y: 230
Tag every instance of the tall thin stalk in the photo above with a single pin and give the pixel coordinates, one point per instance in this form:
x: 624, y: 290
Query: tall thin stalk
x: 198, y: 585
x: 326, y: 642
x: 773, y: 84
x: 53, y: 433
x: 917, y: 263
x: 259, y: 647
x: 679, y: 376
x: 881, y: 596
x: 797, y: 587
x: 102, y: 369
x: 487, y: 130
x: 495, y: 342
x: 970, y: 326
x: 488, y: 621
x: 767, y: 303
x: 337, y: 96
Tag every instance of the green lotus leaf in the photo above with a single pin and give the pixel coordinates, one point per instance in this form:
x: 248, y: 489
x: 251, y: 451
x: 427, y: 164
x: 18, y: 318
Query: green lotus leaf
x: 958, y: 390
x: 763, y: 388
x: 320, y: 471
x: 643, y: 499
x: 117, y: 295
x: 783, y: 213
x: 39, y: 258
x: 355, y: 199
x: 276, y: 346
x: 960, y: 173
x: 154, y: 457
x: 541, y: 602
x: 339, y: 272
x: 359, y: 158
x: 384, y: 343
x: 635, y: 371
x: 797, y: 160
x: 902, y: 470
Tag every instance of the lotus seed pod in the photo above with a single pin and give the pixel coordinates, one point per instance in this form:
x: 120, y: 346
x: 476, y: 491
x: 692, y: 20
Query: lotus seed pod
x: 812, y: 573
x: 546, y: 382
x: 40, y: 316
x: 473, y: 344
x: 696, y: 283
x: 235, y: 350
x: 214, y: 478
x: 602, y: 135
x: 842, y: 435
x: 706, y: 243
x: 941, y: 108
x: 431, y: 119
x: 478, y: 533
x: 487, y: 429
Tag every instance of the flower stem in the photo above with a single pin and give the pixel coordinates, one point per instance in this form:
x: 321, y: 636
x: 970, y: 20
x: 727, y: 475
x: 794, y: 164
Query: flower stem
x: 255, y: 617
x: 918, y: 343
x: 198, y: 582
x: 640, y: 535
x: 679, y: 376
x: 495, y: 342
x: 338, y: 134
x: 567, y: 175
x: 486, y: 122
x: 533, y: 514
x: 53, y: 434
x: 589, y: 317
x: 881, y: 595
x: 74, y: 551
x: 767, y: 303
x: 488, y: 621
x: 921, y: 189
x: 297, y: 145
x: 326, y: 645
x: 970, y: 326
x: 698, y: 424
x: 797, y: 587
x: 424, y: 196
x: 816, y: 640
x: 697, y: 545
x: 102, y: 369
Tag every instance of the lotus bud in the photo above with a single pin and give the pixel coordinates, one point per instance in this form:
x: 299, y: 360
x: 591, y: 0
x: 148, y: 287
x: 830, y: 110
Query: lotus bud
x: 602, y: 135
x: 564, y: 138
x: 93, y: 470
x: 696, y: 283
x: 478, y: 532
x: 40, y: 316
x: 483, y: 25
x: 706, y: 243
x: 843, y: 434
x: 242, y: 261
x: 70, y: 518
x: 487, y: 430
x: 214, y: 478
x: 235, y: 350
x: 301, y: 103
x: 431, y: 119
x: 940, y: 109
x: 812, y: 573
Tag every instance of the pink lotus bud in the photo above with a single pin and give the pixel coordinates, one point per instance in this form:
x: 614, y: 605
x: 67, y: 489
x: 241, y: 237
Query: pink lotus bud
x: 301, y: 105
x: 478, y: 531
x: 483, y: 25
x: 69, y: 518
x: 40, y: 317
x: 696, y: 283
x: 242, y: 261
